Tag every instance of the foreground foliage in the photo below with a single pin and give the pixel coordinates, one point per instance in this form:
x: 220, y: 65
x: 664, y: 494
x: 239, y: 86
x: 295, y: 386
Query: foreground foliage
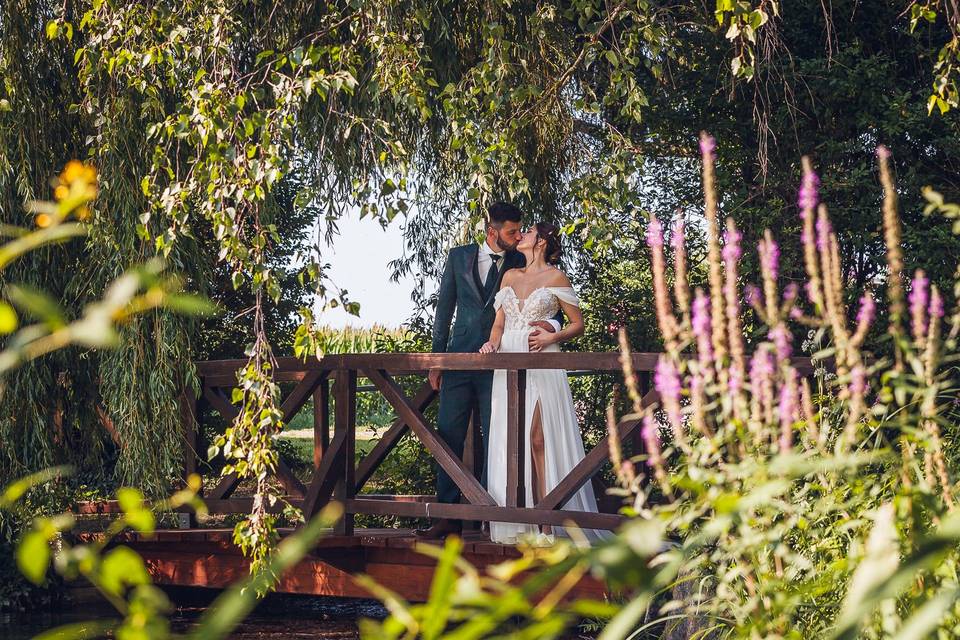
x: 771, y: 503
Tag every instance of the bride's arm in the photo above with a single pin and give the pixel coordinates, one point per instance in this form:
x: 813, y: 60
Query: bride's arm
x: 496, y: 334
x: 573, y: 328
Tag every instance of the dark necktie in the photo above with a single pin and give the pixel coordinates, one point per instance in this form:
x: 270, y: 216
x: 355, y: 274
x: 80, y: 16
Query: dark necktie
x: 491, y: 282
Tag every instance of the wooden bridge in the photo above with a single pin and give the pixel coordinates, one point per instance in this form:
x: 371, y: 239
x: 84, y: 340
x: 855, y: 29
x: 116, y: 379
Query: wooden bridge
x: 206, y: 557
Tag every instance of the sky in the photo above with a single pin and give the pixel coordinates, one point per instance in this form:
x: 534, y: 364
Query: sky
x: 358, y: 260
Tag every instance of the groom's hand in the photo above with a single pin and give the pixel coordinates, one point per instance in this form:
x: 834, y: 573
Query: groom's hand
x: 434, y: 376
x: 536, y: 341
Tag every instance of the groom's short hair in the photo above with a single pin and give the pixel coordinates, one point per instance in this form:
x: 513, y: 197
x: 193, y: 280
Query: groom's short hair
x: 500, y: 212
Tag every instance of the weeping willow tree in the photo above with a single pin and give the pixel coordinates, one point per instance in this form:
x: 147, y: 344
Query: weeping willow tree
x: 195, y: 111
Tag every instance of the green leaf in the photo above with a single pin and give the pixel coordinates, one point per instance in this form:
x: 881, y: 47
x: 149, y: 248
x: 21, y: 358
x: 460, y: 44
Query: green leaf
x: 189, y: 304
x: 52, y: 29
x: 136, y: 512
x: 438, y: 607
x: 33, y: 555
x: 15, y: 490
x: 122, y: 567
x: 38, y: 304
x: 922, y: 623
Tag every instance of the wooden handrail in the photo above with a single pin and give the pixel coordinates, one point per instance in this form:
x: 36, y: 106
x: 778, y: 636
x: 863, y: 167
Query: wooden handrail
x: 336, y: 472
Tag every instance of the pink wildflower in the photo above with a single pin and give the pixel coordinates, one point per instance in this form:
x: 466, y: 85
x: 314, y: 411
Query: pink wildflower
x: 808, y: 195
x: 731, y: 245
x: 790, y: 292
x: 654, y: 233
x: 867, y: 309
x: 936, y: 304
x: 782, y: 339
x: 858, y: 381
x: 824, y: 230
x: 707, y: 145
x: 788, y: 409
x: 769, y: 258
x: 678, y: 237
x: 919, y: 296
x: 700, y: 324
x: 651, y: 440
x: 667, y: 381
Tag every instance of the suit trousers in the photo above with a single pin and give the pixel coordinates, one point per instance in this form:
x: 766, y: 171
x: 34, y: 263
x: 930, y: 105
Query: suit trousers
x: 460, y: 392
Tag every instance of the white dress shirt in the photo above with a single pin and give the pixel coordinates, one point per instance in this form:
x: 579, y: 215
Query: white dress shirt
x: 485, y: 263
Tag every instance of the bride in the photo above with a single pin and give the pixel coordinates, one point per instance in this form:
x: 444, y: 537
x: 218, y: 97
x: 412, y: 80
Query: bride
x: 554, y: 445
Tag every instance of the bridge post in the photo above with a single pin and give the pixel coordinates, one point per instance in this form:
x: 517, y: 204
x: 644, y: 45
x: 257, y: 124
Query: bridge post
x: 345, y: 421
x: 188, y: 418
x: 516, y: 437
x: 321, y: 421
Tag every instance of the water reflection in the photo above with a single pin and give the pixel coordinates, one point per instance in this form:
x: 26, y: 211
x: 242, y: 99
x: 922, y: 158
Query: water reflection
x: 278, y: 616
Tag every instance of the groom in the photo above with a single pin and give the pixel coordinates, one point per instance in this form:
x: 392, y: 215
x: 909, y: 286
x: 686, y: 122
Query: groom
x: 471, y: 279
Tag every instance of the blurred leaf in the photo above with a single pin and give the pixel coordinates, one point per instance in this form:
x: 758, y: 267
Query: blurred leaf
x: 922, y: 623
x: 33, y: 555
x: 15, y: 490
x: 58, y: 233
x: 190, y: 304
x: 38, y: 304
x: 136, y: 512
x: 122, y: 567
x: 438, y: 607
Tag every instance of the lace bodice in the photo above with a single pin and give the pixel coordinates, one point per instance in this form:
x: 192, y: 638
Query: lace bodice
x: 542, y: 304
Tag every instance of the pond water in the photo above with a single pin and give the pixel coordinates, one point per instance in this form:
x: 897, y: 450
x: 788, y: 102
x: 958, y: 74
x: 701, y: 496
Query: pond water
x: 278, y: 616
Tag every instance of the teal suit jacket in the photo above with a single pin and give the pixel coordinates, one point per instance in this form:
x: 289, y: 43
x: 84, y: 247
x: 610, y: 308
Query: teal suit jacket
x: 461, y: 290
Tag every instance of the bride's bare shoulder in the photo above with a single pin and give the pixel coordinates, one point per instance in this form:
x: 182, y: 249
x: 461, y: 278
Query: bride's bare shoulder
x: 558, y: 278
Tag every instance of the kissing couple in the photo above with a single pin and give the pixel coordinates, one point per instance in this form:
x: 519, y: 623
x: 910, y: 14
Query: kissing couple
x: 508, y: 294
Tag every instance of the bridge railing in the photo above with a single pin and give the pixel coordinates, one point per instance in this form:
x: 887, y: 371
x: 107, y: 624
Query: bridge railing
x: 338, y: 476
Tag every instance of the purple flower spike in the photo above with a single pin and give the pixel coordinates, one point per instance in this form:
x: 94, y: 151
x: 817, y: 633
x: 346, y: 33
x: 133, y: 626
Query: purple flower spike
x: 919, y: 296
x: 936, y: 305
x: 731, y: 245
x: 770, y: 258
x: 678, y: 237
x: 701, y: 315
x: 761, y: 370
x: 782, y: 342
x: 654, y: 233
x: 789, y: 410
x: 790, y: 292
x: 707, y: 145
x: 700, y: 324
x: 809, y: 194
x: 883, y: 152
x: 735, y: 381
x: 867, y: 309
x: 667, y: 381
x: 858, y: 381
x: 823, y: 233
x: 651, y: 440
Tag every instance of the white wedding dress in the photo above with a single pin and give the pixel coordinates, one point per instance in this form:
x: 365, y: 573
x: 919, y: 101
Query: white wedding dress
x: 563, y: 445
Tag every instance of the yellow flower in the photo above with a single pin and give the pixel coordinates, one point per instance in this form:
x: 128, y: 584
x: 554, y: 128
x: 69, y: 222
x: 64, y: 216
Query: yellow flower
x: 61, y: 192
x: 72, y: 172
x: 77, y: 171
x: 44, y: 220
